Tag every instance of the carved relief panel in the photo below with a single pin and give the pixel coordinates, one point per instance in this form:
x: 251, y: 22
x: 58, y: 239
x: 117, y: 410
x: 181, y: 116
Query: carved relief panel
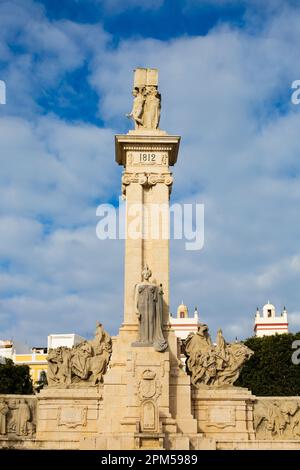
x: 72, y: 416
x: 17, y: 416
x: 148, y: 391
x: 277, y: 419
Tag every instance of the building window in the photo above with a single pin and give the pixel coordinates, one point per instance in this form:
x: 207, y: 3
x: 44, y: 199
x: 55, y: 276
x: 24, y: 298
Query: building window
x: 269, y: 313
x: 181, y: 314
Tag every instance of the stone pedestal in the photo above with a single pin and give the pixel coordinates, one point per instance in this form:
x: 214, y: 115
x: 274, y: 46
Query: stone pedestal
x: 146, y: 398
x: 68, y: 415
x: 224, y: 413
x: 151, y: 404
x: 146, y: 185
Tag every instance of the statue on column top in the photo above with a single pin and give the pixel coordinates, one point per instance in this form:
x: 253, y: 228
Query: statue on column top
x: 138, y: 107
x: 147, y: 100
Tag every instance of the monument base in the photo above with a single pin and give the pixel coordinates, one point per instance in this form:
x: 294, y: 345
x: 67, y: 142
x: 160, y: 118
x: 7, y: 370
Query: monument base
x: 224, y: 413
x: 68, y: 415
x: 151, y: 405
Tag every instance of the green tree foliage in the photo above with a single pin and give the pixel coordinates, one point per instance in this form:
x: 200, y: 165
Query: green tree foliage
x: 270, y: 371
x: 15, y: 378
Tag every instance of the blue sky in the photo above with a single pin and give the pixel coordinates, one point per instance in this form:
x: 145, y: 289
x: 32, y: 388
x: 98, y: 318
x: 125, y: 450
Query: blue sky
x: 156, y: 19
x: 226, y: 69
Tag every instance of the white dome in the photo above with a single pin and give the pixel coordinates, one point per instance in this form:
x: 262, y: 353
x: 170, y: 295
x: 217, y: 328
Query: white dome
x: 269, y: 306
x: 182, y: 310
x: 269, y: 310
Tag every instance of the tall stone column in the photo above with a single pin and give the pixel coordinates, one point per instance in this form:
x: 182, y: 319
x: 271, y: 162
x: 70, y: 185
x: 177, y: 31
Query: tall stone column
x: 146, y: 394
x: 146, y: 185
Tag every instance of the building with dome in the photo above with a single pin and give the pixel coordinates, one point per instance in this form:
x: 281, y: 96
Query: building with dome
x: 182, y: 323
x: 267, y: 323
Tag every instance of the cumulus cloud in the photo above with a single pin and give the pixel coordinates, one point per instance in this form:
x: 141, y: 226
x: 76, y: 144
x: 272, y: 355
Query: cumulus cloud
x: 37, y: 53
x: 53, y: 168
x: 227, y: 94
x: 294, y: 320
x: 239, y: 155
x: 118, y: 6
x: 248, y: 3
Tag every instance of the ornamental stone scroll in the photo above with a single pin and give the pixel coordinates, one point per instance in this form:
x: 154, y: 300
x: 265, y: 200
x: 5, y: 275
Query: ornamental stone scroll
x: 146, y: 179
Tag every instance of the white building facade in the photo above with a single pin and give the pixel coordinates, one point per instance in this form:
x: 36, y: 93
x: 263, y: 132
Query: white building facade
x: 182, y: 323
x: 6, y: 349
x: 69, y: 340
x: 268, y: 323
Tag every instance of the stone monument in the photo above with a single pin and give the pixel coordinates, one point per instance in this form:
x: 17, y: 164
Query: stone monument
x: 68, y: 408
x: 152, y: 406
x: 132, y: 391
x: 222, y: 410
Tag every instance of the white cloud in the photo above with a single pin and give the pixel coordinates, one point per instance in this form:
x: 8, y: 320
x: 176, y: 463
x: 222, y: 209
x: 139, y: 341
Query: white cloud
x: 118, y: 6
x: 54, y: 168
x: 238, y: 155
x: 43, y: 52
x: 64, y: 284
x: 267, y: 4
x: 294, y: 320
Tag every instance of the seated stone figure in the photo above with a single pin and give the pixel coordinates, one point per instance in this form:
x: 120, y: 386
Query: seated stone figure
x: 84, y: 364
x: 214, y: 365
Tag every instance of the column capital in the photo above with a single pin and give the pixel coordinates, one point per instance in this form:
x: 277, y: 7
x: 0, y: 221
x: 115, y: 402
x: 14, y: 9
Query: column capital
x: 153, y: 143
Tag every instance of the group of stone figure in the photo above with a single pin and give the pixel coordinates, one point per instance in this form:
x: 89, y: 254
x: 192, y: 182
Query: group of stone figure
x: 146, y: 107
x: 277, y: 419
x: 214, y: 364
x: 84, y: 363
x: 16, y: 416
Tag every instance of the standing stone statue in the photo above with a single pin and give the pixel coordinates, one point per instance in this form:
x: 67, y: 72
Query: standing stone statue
x: 23, y: 418
x: 3, y: 412
x: 147, y: 100
x: 138, y: 107
x: 222, y: 356
x: 152, y: 108
x: 102, y: 349
x: 148, y: 304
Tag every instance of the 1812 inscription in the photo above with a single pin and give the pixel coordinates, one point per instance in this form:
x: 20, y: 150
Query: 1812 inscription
x: 147, y: 158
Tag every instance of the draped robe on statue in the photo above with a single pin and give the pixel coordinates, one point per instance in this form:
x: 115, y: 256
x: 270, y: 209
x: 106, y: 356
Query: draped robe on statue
x: 23, y: 416
x: 149, y: 304
x: 3, y: 412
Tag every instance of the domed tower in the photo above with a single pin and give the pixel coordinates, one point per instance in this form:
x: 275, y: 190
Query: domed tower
x: 182, y: 311
x: 269, y: 311
x: 268, y: 323
x: 183, y: 325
